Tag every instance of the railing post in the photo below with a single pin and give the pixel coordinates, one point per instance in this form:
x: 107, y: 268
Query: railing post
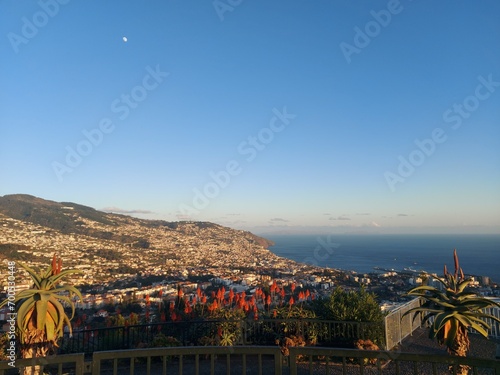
x: 292, y: 361
x: 123, y: 337
x: 278, y: 362
x: 244, y: 328
x: 127, y: 340
x: 400, y: 334
x: 386, y: 336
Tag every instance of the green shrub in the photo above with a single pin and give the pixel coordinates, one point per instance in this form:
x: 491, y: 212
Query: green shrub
x: 160, y: 340
x: 354, y: 306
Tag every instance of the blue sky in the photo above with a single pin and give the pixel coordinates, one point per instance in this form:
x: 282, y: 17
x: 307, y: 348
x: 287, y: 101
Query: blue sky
x: 341, y: 116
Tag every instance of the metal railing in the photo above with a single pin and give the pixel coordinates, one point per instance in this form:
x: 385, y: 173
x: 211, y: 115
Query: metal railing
x: 249, y: 332
x: 52, y: 364
x: 397, y: 328
x: 260, y: 360
x: 319, y: 361
x: 219, y: 360
x: 191, y: 333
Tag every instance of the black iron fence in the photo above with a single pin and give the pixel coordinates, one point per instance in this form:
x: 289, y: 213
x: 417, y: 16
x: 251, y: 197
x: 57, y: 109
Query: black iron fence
x: 220, y: 332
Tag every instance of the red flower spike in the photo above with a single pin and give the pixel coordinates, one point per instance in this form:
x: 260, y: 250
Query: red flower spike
x: 54, y: 264
x: 455, y: 257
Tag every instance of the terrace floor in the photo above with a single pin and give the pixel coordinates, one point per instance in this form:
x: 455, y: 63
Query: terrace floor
x: 419, y: 342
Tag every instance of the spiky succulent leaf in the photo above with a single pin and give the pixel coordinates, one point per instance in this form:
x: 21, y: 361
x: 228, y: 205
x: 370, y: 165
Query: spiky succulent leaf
x: 455, y: 310
x: 35, y: 277
x: 40, y: 312
x: 55, y: 279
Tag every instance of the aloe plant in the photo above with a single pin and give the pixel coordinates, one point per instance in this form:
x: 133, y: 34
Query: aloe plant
x: 455, y: 311
x: 41, y: 317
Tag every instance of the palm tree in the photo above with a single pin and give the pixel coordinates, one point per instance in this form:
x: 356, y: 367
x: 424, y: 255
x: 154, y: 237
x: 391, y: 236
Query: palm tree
x: 41, y: 317
x: 455, y: 311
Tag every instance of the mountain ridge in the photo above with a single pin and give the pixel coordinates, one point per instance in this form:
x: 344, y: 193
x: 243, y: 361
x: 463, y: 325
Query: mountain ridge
x: 32, y: 229
x: 49, y: 213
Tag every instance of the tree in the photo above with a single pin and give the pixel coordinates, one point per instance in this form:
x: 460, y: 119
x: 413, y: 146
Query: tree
x: 41, y: 318
x: 358, y: 306
x: 354, y: 306
x: 454, y: 311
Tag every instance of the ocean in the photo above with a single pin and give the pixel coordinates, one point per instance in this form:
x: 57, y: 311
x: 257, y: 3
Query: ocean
x: 478, y: 254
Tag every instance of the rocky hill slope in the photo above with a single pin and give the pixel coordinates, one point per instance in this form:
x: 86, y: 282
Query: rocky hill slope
x: 109, y: 246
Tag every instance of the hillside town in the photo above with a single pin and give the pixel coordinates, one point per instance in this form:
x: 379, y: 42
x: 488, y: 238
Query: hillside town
x: 186, y: 255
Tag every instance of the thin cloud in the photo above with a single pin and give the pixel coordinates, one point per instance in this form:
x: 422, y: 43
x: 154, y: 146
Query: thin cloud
x: 117, y: 210
x: 403, y: 215
x: 340, y: 218
x: 235, y: 222
x: 364, y: 214
x: 376, y: 224
x: 278, y: 220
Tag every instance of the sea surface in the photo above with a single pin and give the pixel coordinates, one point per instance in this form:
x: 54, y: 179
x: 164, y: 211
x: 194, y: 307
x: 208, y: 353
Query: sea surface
x: 478, y: 254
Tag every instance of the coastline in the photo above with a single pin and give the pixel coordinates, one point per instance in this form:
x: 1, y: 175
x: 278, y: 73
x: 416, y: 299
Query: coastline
x: 362, y: 253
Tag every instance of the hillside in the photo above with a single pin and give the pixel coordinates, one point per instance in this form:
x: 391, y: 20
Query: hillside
x: 110, y: 247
